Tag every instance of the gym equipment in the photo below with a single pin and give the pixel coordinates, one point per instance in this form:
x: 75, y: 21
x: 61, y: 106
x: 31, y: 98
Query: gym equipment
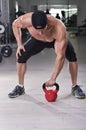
x: 0, y: 58
x: 51, y: 95
x: 2, y: 29
x: 5, y: 29
x: 5, y: 11
x: 6, y: 51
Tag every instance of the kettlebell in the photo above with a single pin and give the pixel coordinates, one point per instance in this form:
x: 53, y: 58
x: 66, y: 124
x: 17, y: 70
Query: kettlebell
x: 51, y: 95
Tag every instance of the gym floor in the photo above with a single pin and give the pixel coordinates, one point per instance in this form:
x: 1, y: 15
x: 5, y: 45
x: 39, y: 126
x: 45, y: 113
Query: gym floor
x: 31, y: 111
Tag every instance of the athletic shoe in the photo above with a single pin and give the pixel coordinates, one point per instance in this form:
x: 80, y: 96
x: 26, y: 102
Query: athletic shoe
x: 78, y: 92
x: 17, y: 92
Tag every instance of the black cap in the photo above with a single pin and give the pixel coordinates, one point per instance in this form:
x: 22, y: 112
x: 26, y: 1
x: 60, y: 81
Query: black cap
x: 39, y: 19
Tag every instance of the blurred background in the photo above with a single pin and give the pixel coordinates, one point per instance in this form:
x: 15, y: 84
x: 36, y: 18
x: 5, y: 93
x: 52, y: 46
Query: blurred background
x: 71, y: 12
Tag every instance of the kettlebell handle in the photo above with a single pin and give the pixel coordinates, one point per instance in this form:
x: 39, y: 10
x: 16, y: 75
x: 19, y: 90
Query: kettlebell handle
x: 55, y: 84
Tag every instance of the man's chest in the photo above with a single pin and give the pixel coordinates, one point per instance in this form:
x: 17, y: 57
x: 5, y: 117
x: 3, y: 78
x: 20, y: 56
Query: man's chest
x: 42, y: 35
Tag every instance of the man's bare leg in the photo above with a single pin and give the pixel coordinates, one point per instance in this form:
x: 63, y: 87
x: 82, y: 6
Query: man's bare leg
x: 73, y: 69
x: 21, y: 69
x: 76, y: 90
x: 19, y: 89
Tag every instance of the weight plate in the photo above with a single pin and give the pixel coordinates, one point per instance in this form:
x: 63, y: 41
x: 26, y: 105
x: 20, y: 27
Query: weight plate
x: 6, y: 51
x: 2, y: 29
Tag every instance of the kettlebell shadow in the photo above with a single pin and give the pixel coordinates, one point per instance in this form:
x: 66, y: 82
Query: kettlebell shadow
x: 48, y: 106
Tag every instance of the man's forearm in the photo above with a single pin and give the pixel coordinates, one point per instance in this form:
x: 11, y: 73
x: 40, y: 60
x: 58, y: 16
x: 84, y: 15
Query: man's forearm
x: 57, y: 68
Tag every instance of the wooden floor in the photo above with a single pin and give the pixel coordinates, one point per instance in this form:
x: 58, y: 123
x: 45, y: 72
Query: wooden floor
x: 31, y: 111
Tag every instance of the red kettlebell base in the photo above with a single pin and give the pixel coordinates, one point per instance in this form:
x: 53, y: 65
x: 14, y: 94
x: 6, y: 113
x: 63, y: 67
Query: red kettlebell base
x: 51, y: 96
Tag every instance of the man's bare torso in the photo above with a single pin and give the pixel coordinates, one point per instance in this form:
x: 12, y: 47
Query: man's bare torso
x: 47, y: 34
x: 54, y: 30
x: 43, y: 35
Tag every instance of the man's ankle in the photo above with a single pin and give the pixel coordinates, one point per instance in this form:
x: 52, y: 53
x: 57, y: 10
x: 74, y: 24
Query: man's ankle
x: 74, y: 85
x: 21, y: 85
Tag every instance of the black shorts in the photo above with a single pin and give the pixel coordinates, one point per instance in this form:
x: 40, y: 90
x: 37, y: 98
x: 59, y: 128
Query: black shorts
x: 34, y: 46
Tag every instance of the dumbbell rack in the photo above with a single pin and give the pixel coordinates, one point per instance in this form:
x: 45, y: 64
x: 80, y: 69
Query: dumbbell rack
x: 5, y: 49
x: 5, y: 11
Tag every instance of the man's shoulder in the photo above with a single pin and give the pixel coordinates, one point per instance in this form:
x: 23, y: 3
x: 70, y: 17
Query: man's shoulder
x: 28, y: 14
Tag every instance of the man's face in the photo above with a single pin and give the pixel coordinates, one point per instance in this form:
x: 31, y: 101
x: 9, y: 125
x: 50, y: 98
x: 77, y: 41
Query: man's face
x: 42, y: 31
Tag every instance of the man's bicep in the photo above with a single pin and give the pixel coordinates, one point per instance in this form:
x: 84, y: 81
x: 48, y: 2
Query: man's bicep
x: 60, y: 47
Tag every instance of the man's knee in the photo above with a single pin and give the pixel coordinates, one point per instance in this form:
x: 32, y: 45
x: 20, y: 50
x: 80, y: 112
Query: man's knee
x: 23, y: 58
x: 70, y: 52
x: 72, y: 58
